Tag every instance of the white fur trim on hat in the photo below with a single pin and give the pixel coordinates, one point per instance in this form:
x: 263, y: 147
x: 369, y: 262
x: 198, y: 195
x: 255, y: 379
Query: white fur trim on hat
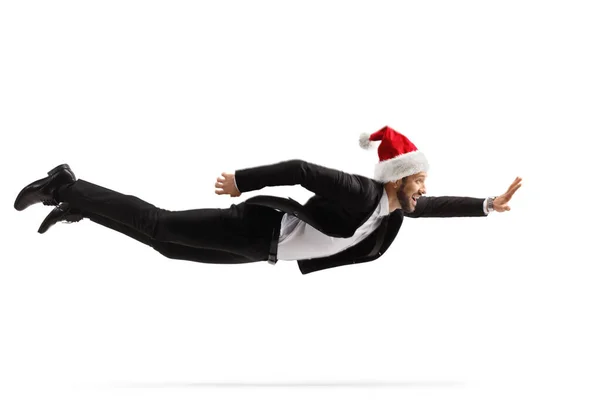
x: 401, y: 166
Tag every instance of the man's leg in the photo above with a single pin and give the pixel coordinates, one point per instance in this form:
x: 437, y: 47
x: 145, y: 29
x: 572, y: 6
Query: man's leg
x: 174, y: 250
x: 241, y: 229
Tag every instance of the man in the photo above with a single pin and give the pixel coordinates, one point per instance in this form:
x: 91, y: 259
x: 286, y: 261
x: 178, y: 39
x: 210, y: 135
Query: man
x: 350, y: 219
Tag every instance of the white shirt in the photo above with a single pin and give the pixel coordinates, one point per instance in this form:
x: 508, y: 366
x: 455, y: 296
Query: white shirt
x: 298, y: 240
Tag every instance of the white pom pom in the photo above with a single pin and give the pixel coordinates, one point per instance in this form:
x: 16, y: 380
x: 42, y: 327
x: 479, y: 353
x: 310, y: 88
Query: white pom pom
x: 364, y: 141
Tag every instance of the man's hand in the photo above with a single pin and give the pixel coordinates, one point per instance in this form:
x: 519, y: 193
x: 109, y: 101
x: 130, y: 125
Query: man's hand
x: 501, y: 202
x: 226, y: 185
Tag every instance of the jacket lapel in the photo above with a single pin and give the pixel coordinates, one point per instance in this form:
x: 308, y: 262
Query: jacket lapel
x: 381, y: 232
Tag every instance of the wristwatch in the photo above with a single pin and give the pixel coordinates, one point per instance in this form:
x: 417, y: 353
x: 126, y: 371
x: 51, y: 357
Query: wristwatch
x: 490, y: 203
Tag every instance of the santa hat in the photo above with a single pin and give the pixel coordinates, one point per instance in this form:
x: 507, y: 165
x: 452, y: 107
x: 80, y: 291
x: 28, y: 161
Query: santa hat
x: 398, y: 156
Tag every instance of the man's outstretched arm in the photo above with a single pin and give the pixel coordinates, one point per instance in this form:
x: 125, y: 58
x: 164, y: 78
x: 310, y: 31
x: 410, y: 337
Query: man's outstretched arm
x: 447, y: 206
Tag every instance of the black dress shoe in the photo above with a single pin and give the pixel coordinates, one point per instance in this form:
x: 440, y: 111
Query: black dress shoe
x: 44, y: 190
x: 63, y: 212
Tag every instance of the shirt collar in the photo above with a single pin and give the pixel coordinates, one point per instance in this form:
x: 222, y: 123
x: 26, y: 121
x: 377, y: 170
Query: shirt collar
x: 385, y: 204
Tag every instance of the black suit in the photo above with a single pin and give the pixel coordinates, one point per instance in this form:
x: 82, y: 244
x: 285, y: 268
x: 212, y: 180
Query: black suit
x: 342, y: 202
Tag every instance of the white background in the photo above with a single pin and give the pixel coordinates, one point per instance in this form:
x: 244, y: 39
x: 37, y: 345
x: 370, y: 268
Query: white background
x: 156, y: 99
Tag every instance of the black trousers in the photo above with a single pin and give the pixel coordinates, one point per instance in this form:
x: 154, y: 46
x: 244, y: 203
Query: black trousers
x: 242, y: 233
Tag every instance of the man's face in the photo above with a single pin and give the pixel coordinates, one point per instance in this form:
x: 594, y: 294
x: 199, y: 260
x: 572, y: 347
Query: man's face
x: 410, y: 190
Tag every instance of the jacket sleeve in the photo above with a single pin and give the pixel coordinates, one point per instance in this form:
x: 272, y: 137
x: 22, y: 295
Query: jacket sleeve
x: 335, y: 185
x: 448, y: 206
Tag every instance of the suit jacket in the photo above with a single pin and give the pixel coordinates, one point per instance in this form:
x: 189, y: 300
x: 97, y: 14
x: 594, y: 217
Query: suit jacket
x: 342, y: 202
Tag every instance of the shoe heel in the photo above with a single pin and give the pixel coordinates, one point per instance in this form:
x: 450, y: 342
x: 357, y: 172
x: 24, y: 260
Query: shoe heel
x: 61, y: 166
x: 73, y: 218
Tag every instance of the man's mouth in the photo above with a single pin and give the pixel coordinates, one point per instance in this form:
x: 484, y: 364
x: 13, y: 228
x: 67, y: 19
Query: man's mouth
x: 415, y: 197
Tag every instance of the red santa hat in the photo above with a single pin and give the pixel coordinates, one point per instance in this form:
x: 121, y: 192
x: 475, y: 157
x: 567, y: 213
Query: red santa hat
x: 398, y: 156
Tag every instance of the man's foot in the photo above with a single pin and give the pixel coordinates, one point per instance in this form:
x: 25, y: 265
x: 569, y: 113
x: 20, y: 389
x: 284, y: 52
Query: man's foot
x: 44, y: 190
x: 63, y: 212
